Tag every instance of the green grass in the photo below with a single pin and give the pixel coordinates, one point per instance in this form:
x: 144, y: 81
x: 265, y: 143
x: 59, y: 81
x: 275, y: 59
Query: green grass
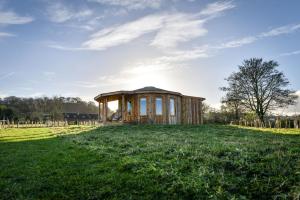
x: 150, y: 162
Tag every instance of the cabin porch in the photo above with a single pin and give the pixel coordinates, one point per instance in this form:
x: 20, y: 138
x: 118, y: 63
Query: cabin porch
x: 106, y: 114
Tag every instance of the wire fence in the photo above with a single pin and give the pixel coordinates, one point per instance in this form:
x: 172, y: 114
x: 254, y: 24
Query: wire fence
x: 270, y: 123
x: 7, y: 124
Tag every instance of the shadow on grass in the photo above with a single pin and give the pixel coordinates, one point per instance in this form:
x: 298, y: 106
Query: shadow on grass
x: 153, y: 162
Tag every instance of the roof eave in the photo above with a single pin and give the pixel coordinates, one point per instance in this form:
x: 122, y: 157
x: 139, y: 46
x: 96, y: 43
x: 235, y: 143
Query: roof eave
x: 124, y: 92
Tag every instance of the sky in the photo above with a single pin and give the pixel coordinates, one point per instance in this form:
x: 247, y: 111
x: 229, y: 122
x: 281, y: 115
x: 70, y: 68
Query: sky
x: 86, y: 47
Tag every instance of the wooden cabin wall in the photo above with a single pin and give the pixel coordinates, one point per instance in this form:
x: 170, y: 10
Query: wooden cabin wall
x: 142, y: 119
x: 130, y: 118
x: 167, y: 107
x: 191, y: 110
x: 188, y: 110
x: 158, y: 119
x: 200, y: 112
x: 195, y: 111
x: 179, y: 110
x: 183, y: 110
x: 151, y: 117
x: 176, y: 118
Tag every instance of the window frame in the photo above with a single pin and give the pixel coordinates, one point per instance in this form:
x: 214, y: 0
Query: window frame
x: 174, y: 107
x: 129, y: 112
x: 161, y: 106
x: 140, y: 100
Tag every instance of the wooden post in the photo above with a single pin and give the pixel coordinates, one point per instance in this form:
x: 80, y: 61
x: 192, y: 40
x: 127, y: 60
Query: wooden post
x: 104, y: 111
x: 167, y: 100
x: 149, y: 107
x: 123, y: 108
x: 99, y: 112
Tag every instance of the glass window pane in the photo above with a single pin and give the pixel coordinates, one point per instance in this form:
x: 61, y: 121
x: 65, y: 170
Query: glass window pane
x: 143, y: 106
x: 129, y: 107
x: 172, y: 107
x: 158, y: 106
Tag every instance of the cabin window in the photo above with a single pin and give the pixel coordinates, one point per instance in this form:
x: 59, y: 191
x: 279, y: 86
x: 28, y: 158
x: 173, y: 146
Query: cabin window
x: 143, y: 106
x: 172, y: 107
x: 158, y: 106
x: 129, y: 107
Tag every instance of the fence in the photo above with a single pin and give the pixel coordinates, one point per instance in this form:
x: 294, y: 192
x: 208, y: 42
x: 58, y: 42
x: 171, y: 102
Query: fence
x: 7, y: 124
x: 277, y: 123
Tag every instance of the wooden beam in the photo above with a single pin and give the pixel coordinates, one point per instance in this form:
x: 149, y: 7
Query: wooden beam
x: 100, y: 111
x: 105, y: 110
x: 123, y: 108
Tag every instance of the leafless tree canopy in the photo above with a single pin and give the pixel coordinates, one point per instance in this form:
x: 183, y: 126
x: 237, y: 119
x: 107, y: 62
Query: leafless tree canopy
x: 258, y: 86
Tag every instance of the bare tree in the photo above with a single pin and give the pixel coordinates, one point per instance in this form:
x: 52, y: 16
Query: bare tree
x: 260, y: 87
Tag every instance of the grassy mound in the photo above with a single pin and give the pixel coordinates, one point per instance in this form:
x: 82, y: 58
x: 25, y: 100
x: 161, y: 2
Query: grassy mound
x: 150, y: 162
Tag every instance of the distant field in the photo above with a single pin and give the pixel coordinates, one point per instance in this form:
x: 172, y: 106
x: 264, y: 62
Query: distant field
x: 149, y: 162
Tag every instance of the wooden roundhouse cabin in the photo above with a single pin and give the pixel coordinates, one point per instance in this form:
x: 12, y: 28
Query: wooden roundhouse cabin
x: 150, y: 105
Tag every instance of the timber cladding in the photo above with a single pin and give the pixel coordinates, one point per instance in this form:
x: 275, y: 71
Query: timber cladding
x: 150, y: 105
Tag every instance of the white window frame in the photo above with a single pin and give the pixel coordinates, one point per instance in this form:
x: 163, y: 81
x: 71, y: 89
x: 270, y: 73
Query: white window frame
x: 129, y: 112
x: 161, y: 106
x: 140, y: 110
x: 174, y: 107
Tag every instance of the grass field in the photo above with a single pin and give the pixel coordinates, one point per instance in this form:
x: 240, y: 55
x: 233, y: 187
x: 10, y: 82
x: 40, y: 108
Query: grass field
x: 149, y: 162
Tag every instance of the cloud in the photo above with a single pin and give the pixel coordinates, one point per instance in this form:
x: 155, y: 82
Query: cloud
x: 151, y: 67
x: 10, y: 17
x: 60, y: 13
x: 3, y: 34
x: 147, y: 67
x: 125, y: 33
x: 170, y: 29
x: 217, y: 8
x: 131, y: 4
x: 7, y: 75
x: 110, y: 80
x: 185, y: 55
x: 287, y: 29
x: 174, y: 30
x: 59, y: 47
x: 281, y: 30
x: 291, y: 53
x: 143, y: 71
x: 291, y: 110
x: 237, y: 43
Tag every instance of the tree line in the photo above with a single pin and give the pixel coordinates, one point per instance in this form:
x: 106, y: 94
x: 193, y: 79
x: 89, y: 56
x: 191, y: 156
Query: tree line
x: 43, y: 108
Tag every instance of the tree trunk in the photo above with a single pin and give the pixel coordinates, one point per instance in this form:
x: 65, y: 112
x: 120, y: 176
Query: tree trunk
x: 261, y: 118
